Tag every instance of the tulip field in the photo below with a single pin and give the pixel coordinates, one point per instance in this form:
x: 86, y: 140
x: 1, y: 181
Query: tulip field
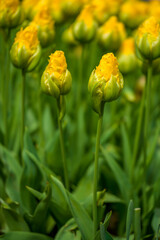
x: 79, y: 120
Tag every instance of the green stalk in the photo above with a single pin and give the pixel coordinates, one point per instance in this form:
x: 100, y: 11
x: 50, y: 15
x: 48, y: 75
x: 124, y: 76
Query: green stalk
x: 66, y: 179
x: 6, y: 89
x: 80, y: 82
x: 146, y: 125
x: 138, y: 132
x: 95, y: 183
x: 23, y: 114
x: 137, y: 223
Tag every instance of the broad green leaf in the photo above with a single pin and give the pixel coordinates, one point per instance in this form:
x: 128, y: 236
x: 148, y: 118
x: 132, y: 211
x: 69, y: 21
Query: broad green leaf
x: 81, y: 217
x: 126, y: 149
x: 104, y: 234
x: 13, y: 219
x: 69, y: 231
x: 129, y: 221
x: 24, y: 236
x: 13, y: 173
x: 119, y: 174
x: 32, y: 175
x: 59, y: 202
x: 37, y: 223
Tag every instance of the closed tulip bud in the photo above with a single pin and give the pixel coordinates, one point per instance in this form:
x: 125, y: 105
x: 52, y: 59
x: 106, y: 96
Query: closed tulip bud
x: 56, y: 79
x: 133, y: 13
x: 104, y: 9
x: 111, y: 34
x: 71, y: 7
x: 126, y: 57
x: 45, y: 25
x: 84, y: 27
x: 56, y: 10
x: 68, y: 37
x: 10, y: 13
x: 32, y: 7
x: 148, y: 40
x: 26, y: 51
x: 105, y: 83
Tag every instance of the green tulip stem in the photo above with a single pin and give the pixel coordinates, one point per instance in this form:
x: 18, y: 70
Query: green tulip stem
x: 146, y: 125
x: 138, y: 133
x: 6, y: 89
x: 66, y: 179
x: 81, y: 74
x: 23, y: 113
x: 95, y: 183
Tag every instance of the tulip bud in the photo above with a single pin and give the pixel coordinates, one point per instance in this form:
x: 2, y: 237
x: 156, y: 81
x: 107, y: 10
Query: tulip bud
x: 45, y: 25
x: 103, y: 9
x: 56, y: 10
x: 71, y: 7
x: 10, y: 13
x: 25, y: 51
x: 148, y: 40
x: 133, y: 13
x: 84, y: 27
x: 111, y: 34
x: 105, y: 83
x: 68, y: 37
x: 126, y: 57
x: 32, y: 7
x: 56, y: 79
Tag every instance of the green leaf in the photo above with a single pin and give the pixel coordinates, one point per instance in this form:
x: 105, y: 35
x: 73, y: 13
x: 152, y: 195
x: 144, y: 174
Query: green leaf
x: 24, y: 236
x: 129, y: 221
x: 37, y: 222
x: 119, y: 174
x: 59, y: 202
x: 81, y: 217
x: 104, y: 234
x: 126, y: 149
x: 69, y: 231
x: 13, y: 219
x: 32, y: 175
x: 13, y: 173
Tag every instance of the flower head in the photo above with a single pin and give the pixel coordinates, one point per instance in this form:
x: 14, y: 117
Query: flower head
x: 126, y: 57
x: 10, y: 13
x: 56, y: 79
x: 25, y: 51
x: 45, y: 25
x: 133, y: 13
x: 148, y: 39
x: 105, y: 83
x: 84, y: 27
x: 111, y: 34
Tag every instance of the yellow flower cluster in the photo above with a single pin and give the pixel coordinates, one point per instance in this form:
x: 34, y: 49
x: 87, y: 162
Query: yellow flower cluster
x: 128, y: 46
x: 11, y: 4
x: 150, y: 27
x: 113, y: 25
x: 57, y: 64
x: 27, y: 37
x: 86, y: 15
x: 108, y: 66
x: 43, y: 18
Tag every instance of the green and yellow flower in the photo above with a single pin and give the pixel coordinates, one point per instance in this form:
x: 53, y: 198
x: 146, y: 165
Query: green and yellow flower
x: 56, y: 79
x: 26, y: 51
x: 84, y: 27
x: 45, y: 25
x: 105, y: 83
x: 111, y: 34
x: 11, y: 14
x: 126, y: 57
x: 148, y: 39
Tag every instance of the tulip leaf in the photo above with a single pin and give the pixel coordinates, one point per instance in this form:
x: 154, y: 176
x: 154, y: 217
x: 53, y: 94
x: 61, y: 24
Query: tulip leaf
x: 24, y: 236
